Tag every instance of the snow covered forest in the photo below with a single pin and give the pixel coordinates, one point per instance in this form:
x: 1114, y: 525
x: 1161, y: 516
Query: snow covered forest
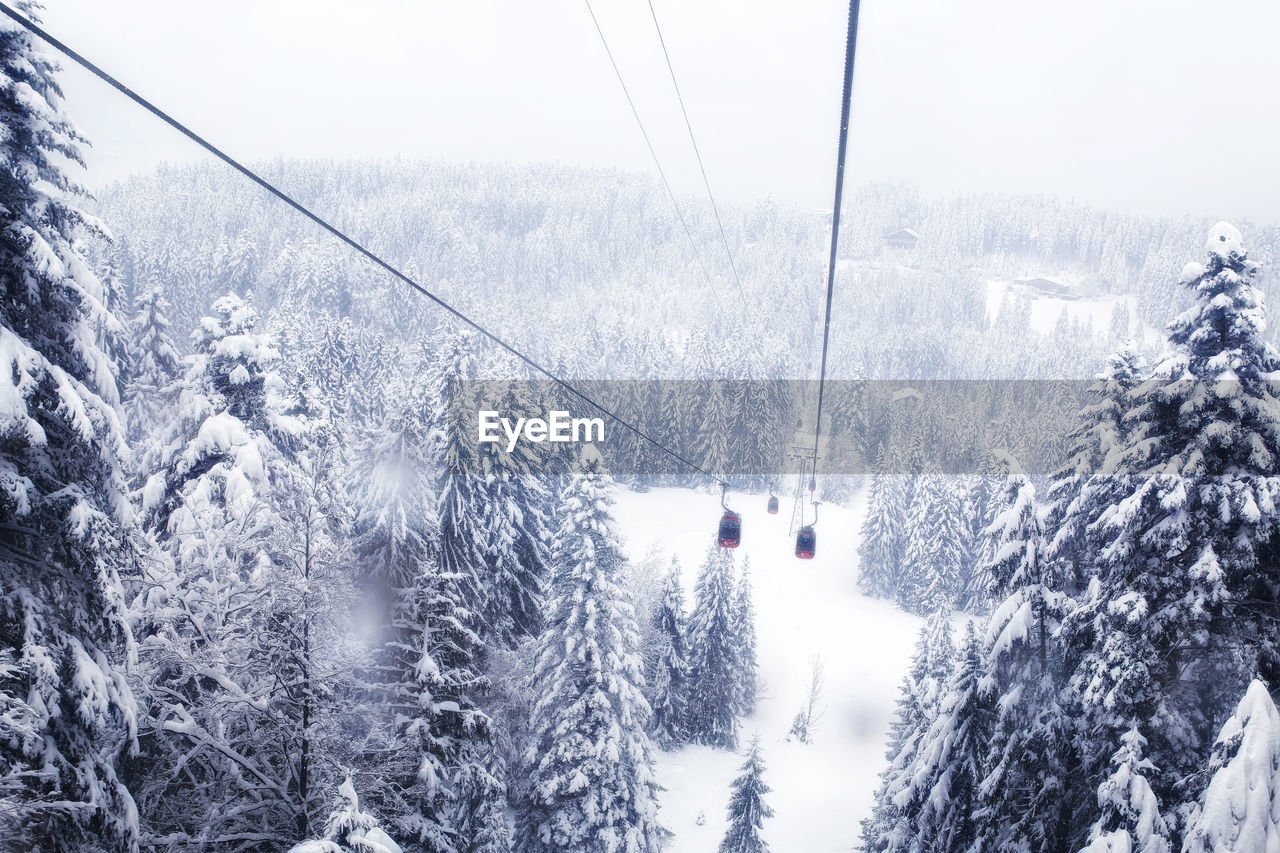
x: 257, y: 593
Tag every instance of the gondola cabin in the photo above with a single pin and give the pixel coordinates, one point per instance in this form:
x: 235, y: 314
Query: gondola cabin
x: 730, y: 535
x: 806, y: 543
x: 773, y: 505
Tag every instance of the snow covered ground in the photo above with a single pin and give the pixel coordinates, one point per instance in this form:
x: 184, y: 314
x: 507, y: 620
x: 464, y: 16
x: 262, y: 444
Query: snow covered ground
x: 821, y: 791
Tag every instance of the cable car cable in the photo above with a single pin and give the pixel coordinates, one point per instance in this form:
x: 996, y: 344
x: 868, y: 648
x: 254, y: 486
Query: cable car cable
x: 656, y: 162
x: 845, y: 98
x: 93, y: 69
x: 806, y: 538
x: 706, y: 182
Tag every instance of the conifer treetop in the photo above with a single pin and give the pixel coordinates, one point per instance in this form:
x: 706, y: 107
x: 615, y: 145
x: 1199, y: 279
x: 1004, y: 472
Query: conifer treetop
x: 1240, y: 808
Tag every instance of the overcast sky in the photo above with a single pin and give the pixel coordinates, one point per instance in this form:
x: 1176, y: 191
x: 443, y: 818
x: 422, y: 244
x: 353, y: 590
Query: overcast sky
x: 1161, y: 106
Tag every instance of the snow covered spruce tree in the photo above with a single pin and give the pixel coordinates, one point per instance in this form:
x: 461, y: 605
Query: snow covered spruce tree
x: 66, y: 711
x: 349, y: 829
x: 494, y: 510
x: 396, y: 527
x: 590, y: 784
x: 437, y: 772
x: 668, y: 683
x: 1073, y: 501
x: 408, y: 754
x: 1130, y: 819
x: 713, y: 654
x: 935, y: 561
x: 921, y: 695
x: 1011, y: 552
x: 434, y: 769
x: 713, y: 435
x: 156, y: 364
x: 747, y: 808
x: 748, y: 676
x: 112, y: 330
x: 1184, y: 608
x: 1023, y: 803
x: 518, y: 535
x: 1240, y: 806
x: 881, y: 548
x: 938, y: 802
x: 460, y: 493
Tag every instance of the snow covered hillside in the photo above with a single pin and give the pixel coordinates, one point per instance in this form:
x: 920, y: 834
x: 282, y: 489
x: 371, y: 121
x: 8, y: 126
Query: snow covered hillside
x: 821, y: 791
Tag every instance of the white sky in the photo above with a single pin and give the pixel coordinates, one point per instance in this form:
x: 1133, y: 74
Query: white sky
x: 1162, y: 106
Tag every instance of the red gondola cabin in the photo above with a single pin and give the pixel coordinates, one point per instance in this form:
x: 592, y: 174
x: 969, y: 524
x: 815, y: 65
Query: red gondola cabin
x: 806, y: 543
x: 730, y: 535
x: 773, y: 505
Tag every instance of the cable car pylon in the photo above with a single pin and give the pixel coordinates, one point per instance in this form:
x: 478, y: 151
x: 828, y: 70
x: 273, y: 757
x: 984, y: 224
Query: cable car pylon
x: 806, y: 456
x: 797, y: 506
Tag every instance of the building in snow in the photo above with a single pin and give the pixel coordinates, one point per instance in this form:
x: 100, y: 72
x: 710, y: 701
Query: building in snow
x: 902, y: 238
x: 1047, y: 286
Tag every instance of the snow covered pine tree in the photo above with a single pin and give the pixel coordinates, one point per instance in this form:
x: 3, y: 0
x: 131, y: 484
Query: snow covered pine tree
x: 1240, y: 806
x: 933, y: 566
x: 747, y: 808
x: 591, y: 786
x: 670, y: 677
x: 713, y: 654
x: 1130, y: 819
x: 937, y: 803
x: 349, y: 829
x: 880, y: 550
x: 156, y: 364
x: 1022, y: 805
x: 408, y: 753
x: 1072, y: 504
x: 66, y: 712
x: 447, y: 782
x: 1184, y: 609
x: 888, y: 828
x: 517, y: 510
x: 748, y: 675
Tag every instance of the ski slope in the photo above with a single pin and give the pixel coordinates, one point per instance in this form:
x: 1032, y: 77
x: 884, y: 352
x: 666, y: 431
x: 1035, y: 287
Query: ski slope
x: 821, y: 791
x: 1093, y: 311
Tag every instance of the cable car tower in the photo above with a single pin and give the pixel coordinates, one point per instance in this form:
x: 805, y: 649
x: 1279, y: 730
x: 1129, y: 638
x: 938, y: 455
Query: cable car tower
x: 806, y: 455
